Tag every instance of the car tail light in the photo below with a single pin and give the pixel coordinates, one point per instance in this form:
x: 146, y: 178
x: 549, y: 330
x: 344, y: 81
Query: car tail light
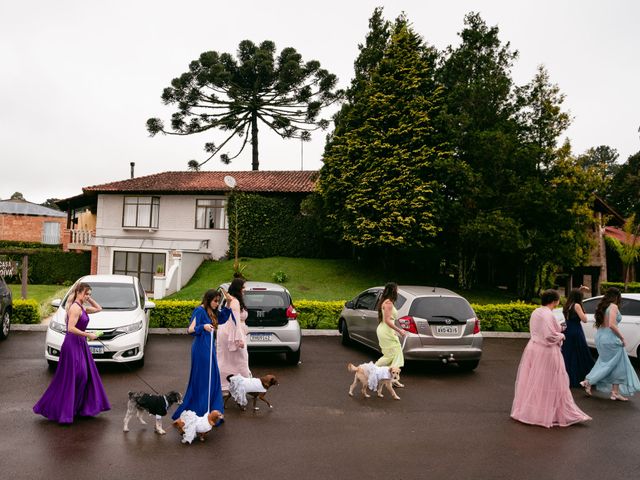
x: 291, y: 313
x: 476, y: 326
x: 407, y: 323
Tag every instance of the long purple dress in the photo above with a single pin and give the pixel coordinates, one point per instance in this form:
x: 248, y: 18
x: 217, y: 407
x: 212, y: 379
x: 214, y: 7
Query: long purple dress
x: 76, y: 389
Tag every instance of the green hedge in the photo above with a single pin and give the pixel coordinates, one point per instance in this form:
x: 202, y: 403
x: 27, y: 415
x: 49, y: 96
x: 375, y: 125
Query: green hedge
x: 270, y: 226
x: 507, y: 317
x: 632, y: 287
x: 316, y: 314
x: 172, y: 313
x: 25, y: 311
x: 52, y: 267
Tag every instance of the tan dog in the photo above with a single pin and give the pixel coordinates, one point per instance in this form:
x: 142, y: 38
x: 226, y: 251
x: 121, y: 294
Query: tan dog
x: 240, y: 387
x: 189, y: 425
x: 375, y: 378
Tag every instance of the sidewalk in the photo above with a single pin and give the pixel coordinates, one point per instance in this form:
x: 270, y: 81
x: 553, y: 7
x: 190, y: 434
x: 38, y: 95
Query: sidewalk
x: 305, y: 332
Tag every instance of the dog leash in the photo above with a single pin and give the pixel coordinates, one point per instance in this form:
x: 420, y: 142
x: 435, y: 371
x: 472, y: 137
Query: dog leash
x: 130, y: 369
x: 210, y: 366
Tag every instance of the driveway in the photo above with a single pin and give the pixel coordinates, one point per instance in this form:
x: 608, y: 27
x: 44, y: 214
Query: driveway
x: 448, y: 425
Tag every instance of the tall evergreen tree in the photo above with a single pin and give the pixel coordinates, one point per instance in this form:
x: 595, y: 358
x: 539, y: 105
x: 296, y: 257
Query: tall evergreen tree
x: 377, y: 180
x: 283, y: 93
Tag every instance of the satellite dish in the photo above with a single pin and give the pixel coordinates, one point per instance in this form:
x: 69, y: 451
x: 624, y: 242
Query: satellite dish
x: 229, y: 181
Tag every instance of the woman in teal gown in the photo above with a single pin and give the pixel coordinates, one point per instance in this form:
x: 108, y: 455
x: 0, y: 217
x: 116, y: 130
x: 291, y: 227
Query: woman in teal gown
x: 613, y: 372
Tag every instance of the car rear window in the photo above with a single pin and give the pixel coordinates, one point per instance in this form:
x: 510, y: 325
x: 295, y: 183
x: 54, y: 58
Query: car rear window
x: 589, y: 306
x: 630, y: 307
x: 441, y: 308
x: 265, y: 299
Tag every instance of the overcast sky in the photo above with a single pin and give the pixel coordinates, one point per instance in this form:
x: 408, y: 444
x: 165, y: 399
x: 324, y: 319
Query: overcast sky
x: 79, y: 79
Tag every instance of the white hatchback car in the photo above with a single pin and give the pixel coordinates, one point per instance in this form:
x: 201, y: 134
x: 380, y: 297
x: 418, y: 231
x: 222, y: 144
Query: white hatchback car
x: 124, y: 319
x: 629, y: 326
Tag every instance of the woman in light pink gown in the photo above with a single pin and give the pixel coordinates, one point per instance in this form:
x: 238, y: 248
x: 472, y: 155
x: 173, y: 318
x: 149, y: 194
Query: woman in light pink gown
x: 231, y: 346
x: 542, y: 395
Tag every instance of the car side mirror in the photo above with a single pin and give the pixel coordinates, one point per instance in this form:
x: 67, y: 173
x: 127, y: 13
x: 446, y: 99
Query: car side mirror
x: 149, y: 305
x: 56, y: 302
x: 350, y: 305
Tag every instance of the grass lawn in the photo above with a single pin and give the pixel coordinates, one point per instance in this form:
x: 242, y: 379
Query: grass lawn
x: 43, y: 294
x: 312, y: 279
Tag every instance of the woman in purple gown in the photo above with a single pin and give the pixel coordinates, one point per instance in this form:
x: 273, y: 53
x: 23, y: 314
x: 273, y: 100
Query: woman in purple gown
x: 76, y: 389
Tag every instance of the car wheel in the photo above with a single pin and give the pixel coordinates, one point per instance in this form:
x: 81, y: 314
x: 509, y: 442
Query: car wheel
x: 53, y: 365
x: 346, y: 339
x: 468, y: 365
x: 293, y: 358
x: 6, y: 325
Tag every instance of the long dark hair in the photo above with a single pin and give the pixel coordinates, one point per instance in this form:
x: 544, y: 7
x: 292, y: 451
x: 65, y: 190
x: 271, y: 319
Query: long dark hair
x: 390, y: 292
x: 612, y: 295
x: 207, y: 298
x: 235, y: 290
x: 574, y: 298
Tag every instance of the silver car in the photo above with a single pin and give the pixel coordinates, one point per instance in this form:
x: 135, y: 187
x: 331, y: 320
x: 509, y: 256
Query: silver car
x: 442, y: 325
x: 629, y: 326
x: 272, y: 321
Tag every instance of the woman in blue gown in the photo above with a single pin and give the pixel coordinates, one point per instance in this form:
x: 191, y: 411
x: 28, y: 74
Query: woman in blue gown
x: 577, y: 357
x: 613, y: 371
x: 204, y: 392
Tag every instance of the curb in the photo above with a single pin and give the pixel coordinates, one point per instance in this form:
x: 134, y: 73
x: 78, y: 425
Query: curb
x: 305, y: 332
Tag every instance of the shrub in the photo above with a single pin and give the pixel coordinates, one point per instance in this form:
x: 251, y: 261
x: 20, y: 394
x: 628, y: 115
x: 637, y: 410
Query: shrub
x: 506, y: 317
x: 316, y: 314
x: 280, y: 277
x: 632, y: 287
x: 172, y: 313
x: 25, y: 311
x: 53, y: 267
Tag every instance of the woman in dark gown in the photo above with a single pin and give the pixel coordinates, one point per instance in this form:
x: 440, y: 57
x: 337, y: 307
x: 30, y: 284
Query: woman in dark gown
x: 204, y: 392
x: 577, y: 356
x: 76, y: 389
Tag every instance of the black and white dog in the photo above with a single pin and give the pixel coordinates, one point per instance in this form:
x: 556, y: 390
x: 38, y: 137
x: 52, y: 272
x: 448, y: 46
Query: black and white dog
x: 157, y: 405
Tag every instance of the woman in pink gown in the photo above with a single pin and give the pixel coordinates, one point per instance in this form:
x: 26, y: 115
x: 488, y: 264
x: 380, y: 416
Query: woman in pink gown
x: 231, y: 346
x: 542, y: 394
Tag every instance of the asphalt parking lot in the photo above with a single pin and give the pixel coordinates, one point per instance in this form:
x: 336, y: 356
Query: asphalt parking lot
x: 448, y: 424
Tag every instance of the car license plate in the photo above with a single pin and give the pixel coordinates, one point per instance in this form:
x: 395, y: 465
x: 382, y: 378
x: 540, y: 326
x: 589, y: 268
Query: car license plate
x: 96, y: 349
x: 260, y: 337
x: 447, y: 329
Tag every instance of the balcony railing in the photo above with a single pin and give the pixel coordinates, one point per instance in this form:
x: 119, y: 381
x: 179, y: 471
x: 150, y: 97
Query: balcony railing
x: 80, y: 239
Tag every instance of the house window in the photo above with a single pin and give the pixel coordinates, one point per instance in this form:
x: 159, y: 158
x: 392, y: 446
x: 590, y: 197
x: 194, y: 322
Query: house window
x: 211, y: 214
x: 141, y: 212
x: 138, y: 264
x: 51, y: 233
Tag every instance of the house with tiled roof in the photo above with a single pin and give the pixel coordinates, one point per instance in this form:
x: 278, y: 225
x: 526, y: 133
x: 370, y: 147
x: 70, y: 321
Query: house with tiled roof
x: 171, y: 221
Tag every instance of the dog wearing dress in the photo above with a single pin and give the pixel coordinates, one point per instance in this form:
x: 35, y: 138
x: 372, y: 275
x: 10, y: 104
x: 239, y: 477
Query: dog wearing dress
x: 190, y: 425
x: 375, y: 378
x: 240, y: 387
x: 158, y: 405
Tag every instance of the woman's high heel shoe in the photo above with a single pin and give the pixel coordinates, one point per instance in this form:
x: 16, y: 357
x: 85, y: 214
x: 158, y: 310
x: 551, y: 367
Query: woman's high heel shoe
x: 617, y: 396
x: 587, y: 387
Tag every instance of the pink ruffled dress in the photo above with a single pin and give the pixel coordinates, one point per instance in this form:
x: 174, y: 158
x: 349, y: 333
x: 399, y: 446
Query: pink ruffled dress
x: 542, y: 394
x: 233, y: 359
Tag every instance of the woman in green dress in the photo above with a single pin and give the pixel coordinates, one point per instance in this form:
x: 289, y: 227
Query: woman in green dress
x: 387, y: 330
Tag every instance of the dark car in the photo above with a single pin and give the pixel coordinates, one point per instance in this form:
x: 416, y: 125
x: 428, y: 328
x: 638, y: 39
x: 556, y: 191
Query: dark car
x: 441, y: 325
x: 6, y: 309
x: 272, y: 321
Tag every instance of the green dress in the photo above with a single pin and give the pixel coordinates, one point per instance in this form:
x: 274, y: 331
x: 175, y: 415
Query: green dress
x: 389, y: 344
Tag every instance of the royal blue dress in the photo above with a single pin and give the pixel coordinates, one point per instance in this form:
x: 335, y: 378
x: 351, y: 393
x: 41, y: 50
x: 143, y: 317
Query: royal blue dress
x: 577, y: 357
x: 613, y: 365
x: 204, y: 379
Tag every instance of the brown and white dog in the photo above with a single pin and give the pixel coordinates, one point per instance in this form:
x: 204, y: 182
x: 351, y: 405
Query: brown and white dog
x: 189, y: 425
x: 240, y: 387
x: 375, y: 378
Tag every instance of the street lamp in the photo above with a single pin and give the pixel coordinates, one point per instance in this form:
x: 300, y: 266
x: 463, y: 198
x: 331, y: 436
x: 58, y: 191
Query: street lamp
x: 230, y: 182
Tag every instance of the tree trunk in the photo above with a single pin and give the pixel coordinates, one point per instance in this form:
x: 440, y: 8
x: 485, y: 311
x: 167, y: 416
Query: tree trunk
x: 254, y: 141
